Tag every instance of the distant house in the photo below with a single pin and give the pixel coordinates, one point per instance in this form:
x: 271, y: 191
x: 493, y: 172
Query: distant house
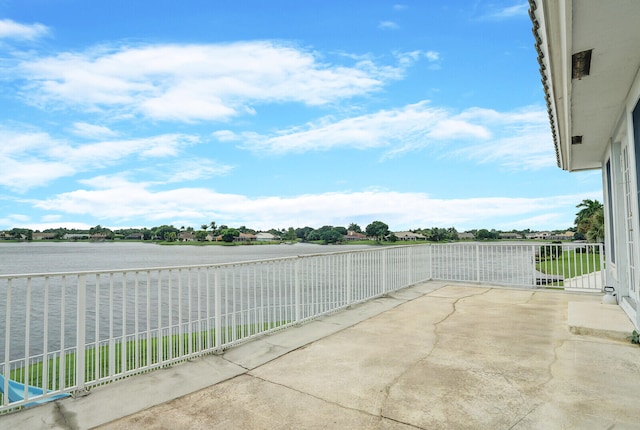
x: 135, y: 236
x: 407, y: 235
x: 266, y: 237
x: 186, y: 236
x: 544, y: 235
x: 510, y: 236
x: 246, y: 237
x: 567, y: 235
x: 354, y: 235
x: 466, y: 236
x: 76, y: 236
x: 43, y: 236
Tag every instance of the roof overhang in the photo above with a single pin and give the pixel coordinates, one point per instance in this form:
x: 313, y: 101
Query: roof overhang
x: 589, y: 55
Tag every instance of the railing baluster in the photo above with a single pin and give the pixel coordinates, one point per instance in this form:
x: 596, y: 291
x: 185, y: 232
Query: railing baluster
x: 80, y: 332
x: 45, y: 338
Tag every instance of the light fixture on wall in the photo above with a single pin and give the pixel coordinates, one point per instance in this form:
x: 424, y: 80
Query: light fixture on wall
x: 581, y: 64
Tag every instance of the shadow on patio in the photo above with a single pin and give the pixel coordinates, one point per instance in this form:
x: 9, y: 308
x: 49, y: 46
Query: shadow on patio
x: 435, y: 355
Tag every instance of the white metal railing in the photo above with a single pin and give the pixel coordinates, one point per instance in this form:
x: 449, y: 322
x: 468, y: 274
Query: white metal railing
x: 67, y: 332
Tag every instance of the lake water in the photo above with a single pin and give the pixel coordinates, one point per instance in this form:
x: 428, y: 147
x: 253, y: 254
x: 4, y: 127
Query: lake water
x: 47, y: 257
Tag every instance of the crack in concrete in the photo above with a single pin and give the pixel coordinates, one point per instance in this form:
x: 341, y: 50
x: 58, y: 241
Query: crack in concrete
x: 328, y: 402
x: 552, y: 363
x: 524, y: 416
x: 63, y: 418
x: 387, y: 389
x: 533, y: 294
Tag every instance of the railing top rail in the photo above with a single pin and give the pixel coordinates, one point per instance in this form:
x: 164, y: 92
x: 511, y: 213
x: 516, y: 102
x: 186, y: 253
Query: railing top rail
x: 196, y: 266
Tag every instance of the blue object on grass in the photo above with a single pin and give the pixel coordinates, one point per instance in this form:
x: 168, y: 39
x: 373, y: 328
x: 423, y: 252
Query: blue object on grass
x: 17, y: 389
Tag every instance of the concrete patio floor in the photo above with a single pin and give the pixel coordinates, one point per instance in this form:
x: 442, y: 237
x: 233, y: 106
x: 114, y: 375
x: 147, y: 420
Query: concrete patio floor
x: 433, y: 356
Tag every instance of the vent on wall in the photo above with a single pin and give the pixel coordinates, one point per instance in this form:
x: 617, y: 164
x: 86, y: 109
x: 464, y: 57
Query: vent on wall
x: 576, y: 140
x: 581, y: 64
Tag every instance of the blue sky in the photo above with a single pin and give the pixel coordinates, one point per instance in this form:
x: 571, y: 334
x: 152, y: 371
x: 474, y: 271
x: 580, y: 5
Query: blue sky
x: 277, y: 113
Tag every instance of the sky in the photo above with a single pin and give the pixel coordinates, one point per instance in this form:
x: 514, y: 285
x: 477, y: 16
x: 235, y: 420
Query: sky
x: 276, y: 114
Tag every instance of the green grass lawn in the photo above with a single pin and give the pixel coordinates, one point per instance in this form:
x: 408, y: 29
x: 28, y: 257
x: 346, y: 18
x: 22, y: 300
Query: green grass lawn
x: 570, y: 264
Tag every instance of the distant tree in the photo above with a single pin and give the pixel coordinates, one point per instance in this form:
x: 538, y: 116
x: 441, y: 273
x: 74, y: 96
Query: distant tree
x: 313, y: 236
x: 377, y: 229
x: 484, y: 234
x: 596, y: 227
x: 590, y: 220
x: 290, y: 235
x: 213, y: 227
x: 229, y: 234
x: 393, y: 238
x: 170, y: 236
x: 302, y: 233
x: 162, y: 231
x: 201, y: 235
x: 21, y: 233
x: 331, y: 236
x: 437, y: 234
x: 354, y: 227
x: 341, y: 230
x: 101, y: 230
x: 204, y: 227
x: 587, y: 208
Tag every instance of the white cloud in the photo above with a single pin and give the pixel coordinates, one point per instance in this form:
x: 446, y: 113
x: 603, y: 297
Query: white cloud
x: 196, y: 82
x: 403, y: 129
x: 92, y: 131
x: 336, y: 208
x: 516, y: 10
x: 522, y: 139
x: 388, y: 25
x: 432, y: 56
x: 33, y: 159
x: 13, y: 30
x: 518, y: 139
x: 187, y: 169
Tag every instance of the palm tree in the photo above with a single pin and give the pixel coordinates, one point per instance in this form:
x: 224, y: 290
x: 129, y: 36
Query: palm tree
x: 596, y: 228
x: 583, y: 217
x: 590, y: 220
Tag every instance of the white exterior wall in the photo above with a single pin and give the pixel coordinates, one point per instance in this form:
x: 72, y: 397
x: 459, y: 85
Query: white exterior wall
x: 617, y: 271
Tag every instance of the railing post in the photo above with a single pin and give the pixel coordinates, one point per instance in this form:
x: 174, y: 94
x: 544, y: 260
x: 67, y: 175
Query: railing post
x: 533, y: 265
x: 430, y: 261
x: 349, y: 294
x: 384, y: 270
x: 602, y: 268
x: 410, y: 266
x: 217, y: 308
x: 298, y: 307
x: 7, y: 346
x: 81, y: 332
x: 477, y: 247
